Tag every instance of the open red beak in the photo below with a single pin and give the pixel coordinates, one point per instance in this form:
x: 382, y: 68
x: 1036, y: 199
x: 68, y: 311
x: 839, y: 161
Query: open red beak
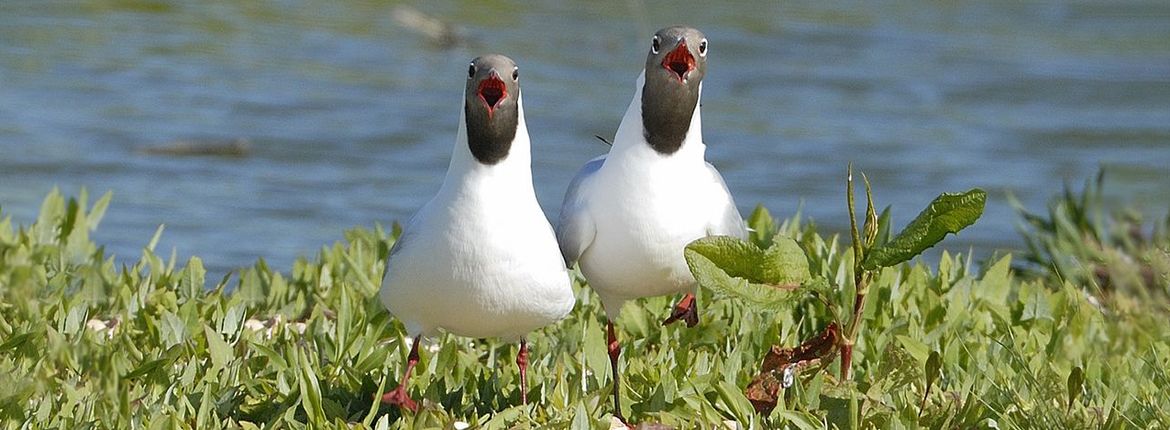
x: 492, y: 90
x: 679, y: 61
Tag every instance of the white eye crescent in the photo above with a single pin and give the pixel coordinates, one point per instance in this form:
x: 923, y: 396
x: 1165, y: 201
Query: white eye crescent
x: 471, y: 70
x: 516, y: 73
x: 655, y: 45
x: 703, y: 47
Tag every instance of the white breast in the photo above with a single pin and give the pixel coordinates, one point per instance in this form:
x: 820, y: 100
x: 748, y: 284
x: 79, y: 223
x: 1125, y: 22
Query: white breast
x: 479, y: 268
x: 646, y: 208
x: 480, y: 259
x: 645, y: 216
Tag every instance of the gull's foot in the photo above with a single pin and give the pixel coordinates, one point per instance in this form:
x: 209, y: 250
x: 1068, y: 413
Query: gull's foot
x: 399, y: 398
x: 685, y: 310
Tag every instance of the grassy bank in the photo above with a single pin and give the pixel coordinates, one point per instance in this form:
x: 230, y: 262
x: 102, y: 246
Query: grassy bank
x: 90, y: 341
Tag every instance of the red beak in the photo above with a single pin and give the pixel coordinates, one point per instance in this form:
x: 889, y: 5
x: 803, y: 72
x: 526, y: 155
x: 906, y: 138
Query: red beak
x: 679, y: 61
x: 492, y: 90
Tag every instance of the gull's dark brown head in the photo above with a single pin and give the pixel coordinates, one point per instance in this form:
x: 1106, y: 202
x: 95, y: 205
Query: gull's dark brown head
x: 675, y: 67
x: 491, y: 106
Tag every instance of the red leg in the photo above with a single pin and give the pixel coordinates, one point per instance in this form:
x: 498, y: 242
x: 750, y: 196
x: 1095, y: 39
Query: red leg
x: 398, y: 396
x: 615, y: 350
x: 685, y: 310
x: 522, y: 363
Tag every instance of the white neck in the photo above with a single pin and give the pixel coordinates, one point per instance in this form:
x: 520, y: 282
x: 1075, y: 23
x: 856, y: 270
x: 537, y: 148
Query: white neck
x: 630, y: 135
x: 516, y: 167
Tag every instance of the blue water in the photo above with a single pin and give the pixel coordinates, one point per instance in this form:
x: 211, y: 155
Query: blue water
x: 351, y: 116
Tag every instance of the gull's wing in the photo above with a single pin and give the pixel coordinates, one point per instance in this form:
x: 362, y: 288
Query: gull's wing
x: 407, y: 235
x: 575, y: 228
x: 727, y: 220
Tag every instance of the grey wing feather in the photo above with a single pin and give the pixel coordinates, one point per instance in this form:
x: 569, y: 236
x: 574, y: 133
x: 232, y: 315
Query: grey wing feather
x: 730, y: 223
x: 575, y: 228
x: 405, y: 237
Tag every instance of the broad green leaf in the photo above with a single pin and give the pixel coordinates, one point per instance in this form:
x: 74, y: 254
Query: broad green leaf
x: 232, y: 320
x: 996, y: 282
x: 731, y: 267
x: 731, y: 255
x: 74, y: 319
x: 220, y: 352
x: 1034, y: 299
x: 784, y: 263
x: 172, y: 330
x: 193, y: 280
x: 948, y: 213
x: 711, y: 276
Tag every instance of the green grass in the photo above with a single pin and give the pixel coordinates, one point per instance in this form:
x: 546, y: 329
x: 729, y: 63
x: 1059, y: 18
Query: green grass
x: 87, y: 341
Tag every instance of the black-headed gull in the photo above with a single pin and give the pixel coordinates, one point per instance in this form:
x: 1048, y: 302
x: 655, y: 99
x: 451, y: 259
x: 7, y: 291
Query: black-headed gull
x: 628, y: 215
x: 480, y: 259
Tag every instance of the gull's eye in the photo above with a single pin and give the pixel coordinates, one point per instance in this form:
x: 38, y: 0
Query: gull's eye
x: 655, y: 45
x: 516, y: 74
x: 470, y: 70
x: 703, y: 47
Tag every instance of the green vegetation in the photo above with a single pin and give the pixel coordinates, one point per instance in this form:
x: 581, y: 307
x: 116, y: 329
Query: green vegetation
x: 774, y: 273
x: 1080, y: 243
x: 90, y: 342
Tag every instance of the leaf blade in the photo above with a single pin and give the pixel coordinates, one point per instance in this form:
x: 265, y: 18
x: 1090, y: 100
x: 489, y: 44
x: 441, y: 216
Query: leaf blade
x: 763, y: 279
x: 948, y: 213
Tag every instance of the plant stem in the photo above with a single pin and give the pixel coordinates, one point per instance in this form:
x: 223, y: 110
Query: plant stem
x: 861, y: 280
x: 861, y: 277
x: 851, y: 329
